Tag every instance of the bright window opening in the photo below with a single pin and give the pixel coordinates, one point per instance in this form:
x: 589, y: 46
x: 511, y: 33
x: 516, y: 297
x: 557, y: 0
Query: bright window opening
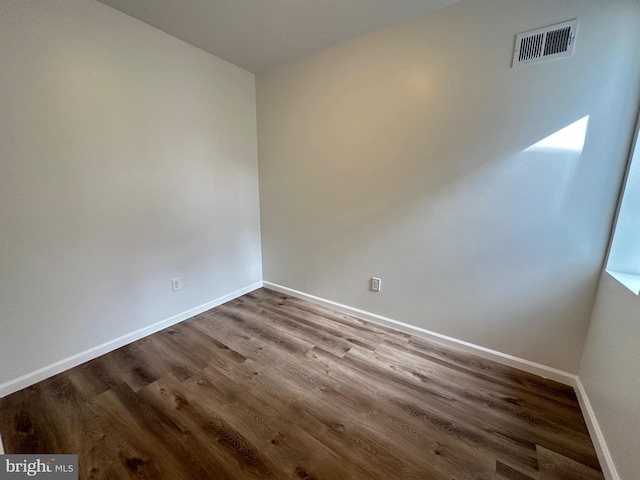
x: 624, y: 258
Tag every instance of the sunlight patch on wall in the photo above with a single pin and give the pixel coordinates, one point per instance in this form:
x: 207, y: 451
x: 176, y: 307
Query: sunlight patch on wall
x: 545, y: 171
x: 571, y: 137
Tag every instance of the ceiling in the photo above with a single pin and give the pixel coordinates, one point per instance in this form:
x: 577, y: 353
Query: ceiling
x: 260, y: 34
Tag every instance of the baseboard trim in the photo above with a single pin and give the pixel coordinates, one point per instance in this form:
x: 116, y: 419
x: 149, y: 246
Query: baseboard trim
x: 604, y: 455
x: 53, y: 369
x: 544, y: 371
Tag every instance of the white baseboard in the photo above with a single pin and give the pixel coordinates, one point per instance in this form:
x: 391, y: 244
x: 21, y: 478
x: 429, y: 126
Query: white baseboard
x: 606, y: 461
x: 544, y: 371
x: 53, y: 369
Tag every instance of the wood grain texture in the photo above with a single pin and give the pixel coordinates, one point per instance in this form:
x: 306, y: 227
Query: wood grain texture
x: 272, y: 387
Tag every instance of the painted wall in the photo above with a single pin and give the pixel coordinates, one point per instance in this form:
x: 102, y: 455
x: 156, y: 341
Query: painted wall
x: 609, y: 372
x: 128, y: 158
x: 418, y: 155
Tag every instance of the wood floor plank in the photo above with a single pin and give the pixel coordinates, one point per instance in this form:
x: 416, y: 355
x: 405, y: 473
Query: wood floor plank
x: 138, y: 438
x: 336, y: 427
x: 232, y: 454
x: 505, y: 472
x: 410, y: 438
x: 248, y: 322
x: 216, y: 325
x: 516, y: 399
x: 346, y: 333
x: 352, y: 405
x: 433, y: 407
x: 497, y: 372
x: 268, y: 386
x: 36, y: 430
x: 554, y: 466
x: 132, y: 364
x: 170, y: 356
x: 287, y: 445
x: 337, y: 318
x: 203, y: 346
x: 532, y: 426
x: 304, y: 331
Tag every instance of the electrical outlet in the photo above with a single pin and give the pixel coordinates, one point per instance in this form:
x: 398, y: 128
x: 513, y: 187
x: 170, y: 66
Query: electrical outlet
x: 376, y: 284
x: 176, y: 284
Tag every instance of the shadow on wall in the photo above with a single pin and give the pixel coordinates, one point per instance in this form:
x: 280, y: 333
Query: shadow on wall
x: 502, y: 244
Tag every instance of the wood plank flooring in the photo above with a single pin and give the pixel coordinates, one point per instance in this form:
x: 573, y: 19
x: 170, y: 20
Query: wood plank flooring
x: 271, y: 387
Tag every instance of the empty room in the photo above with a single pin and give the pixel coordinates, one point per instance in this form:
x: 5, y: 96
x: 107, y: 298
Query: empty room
x: 332, y: 239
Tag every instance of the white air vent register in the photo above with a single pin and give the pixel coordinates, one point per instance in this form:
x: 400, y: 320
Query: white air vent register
x: 547, y: 43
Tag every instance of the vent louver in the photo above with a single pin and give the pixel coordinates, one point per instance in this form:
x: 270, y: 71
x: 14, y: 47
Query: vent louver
x: 547, y: 43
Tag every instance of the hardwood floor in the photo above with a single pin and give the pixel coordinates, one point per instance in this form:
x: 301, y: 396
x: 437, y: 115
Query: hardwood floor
x: 272, y: 387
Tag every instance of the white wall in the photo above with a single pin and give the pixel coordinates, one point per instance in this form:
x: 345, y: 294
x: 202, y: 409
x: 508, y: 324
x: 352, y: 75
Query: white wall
x: 128, y: 158
x: 609, y: 372
x: 406, y: 155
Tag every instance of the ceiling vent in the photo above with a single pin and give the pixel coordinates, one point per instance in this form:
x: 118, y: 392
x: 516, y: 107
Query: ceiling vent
x: 547, y: 43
